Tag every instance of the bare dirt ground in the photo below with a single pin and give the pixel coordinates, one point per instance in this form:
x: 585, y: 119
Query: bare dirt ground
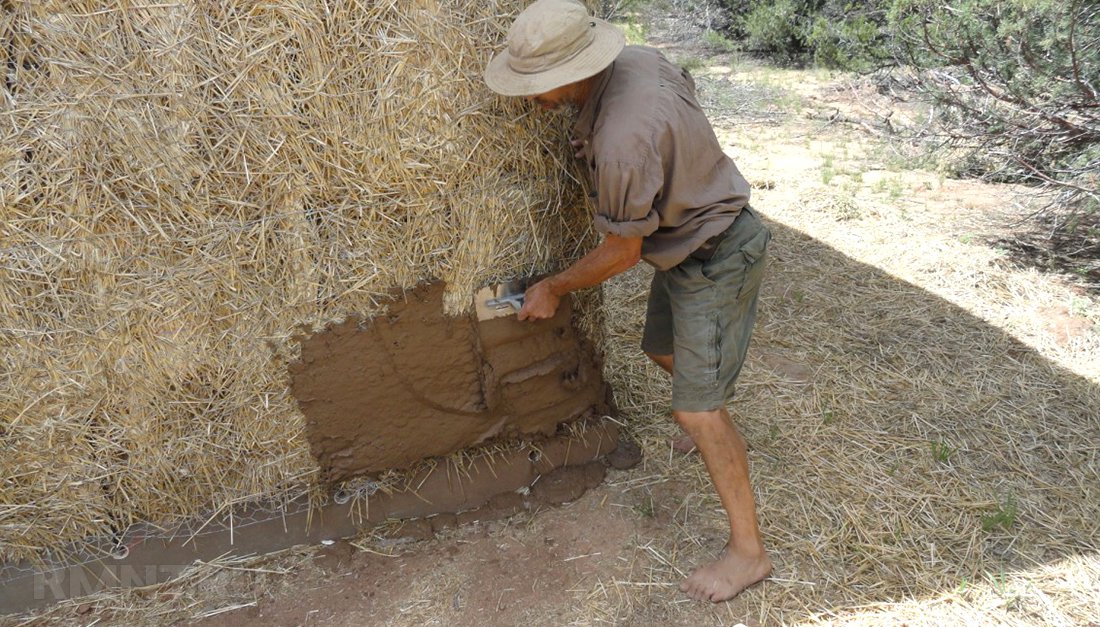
x: 921, y: 414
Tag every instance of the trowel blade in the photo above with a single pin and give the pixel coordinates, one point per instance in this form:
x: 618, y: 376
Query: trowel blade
x: 500, y: 290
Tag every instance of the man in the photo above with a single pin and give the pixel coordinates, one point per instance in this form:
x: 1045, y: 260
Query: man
x: 665, y: 193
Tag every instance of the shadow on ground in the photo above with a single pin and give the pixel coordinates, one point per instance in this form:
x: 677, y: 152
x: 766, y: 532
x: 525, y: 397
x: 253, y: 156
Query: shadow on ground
x: 903, y: 448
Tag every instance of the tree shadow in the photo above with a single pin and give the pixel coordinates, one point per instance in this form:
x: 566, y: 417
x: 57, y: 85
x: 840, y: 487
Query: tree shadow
x: 1058, y: 240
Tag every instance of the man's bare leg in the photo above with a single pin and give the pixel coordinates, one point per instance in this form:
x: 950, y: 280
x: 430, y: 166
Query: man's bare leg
x: 743, y: 561
x: 683, y: 444
x: 664, y: 361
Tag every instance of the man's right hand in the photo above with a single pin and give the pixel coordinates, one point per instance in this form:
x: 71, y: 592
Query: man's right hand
x: 613, y: 255
x: 539, y: 302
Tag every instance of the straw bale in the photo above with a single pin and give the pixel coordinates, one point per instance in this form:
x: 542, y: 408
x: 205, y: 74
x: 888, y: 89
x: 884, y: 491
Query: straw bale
x: 186, y: 185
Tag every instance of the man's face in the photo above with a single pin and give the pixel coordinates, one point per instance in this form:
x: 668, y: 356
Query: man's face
x: 553, y: 99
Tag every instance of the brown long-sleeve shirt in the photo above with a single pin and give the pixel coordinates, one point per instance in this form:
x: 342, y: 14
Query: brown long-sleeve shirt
x: 656, y: 166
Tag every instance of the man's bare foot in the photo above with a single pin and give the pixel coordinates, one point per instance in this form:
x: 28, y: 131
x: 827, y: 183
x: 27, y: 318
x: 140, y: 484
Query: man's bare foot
x: 726, y: 577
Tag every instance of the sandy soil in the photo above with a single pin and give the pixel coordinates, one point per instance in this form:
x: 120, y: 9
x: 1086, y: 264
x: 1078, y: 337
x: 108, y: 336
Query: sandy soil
x: 920, y: 414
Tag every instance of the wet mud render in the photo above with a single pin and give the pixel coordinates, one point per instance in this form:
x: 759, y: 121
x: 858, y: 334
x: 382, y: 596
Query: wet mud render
x: 412, y: 384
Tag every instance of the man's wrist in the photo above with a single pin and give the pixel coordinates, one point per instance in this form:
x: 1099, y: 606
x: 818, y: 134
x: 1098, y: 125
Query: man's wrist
x: 555, y: 286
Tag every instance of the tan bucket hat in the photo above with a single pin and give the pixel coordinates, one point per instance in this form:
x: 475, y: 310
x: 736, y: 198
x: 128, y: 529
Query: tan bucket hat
x: 552, y: 43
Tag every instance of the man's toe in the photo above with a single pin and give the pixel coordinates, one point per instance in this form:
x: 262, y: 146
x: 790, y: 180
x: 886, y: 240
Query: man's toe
x: 699, y: 590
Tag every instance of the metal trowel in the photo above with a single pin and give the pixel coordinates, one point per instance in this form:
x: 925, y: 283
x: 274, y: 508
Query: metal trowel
x: 502, y: 299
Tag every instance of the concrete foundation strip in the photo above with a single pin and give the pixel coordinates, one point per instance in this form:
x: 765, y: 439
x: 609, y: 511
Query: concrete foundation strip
x: 146, y: 556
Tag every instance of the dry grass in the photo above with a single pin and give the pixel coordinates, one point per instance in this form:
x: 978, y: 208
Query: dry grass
x: 923, y: 445
x: 901, y: 449
x: 184, y: 186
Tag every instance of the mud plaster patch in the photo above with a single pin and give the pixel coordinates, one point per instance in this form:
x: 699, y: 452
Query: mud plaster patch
x: 414, y: 383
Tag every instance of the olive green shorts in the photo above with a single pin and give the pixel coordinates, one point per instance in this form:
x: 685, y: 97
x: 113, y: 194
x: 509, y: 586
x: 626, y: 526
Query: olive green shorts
x: 702, y: 313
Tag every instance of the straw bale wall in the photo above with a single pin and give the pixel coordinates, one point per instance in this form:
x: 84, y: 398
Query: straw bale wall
x: 185, y: 185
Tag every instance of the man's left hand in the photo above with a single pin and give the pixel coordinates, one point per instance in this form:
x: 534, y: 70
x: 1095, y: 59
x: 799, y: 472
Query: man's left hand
x: 539, y: 302
x: 578, y: 145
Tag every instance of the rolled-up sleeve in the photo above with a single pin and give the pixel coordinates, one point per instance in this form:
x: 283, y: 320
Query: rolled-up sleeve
x: 626, y: 192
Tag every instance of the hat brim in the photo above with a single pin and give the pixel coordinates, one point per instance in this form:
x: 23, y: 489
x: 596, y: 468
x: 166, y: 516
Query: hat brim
x: 607, y: 43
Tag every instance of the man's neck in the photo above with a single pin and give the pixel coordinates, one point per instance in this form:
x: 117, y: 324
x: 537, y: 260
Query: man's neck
x: 584, y: 90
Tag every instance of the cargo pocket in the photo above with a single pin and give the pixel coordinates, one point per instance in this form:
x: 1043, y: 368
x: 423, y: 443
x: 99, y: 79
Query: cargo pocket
x: 753, y: 253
